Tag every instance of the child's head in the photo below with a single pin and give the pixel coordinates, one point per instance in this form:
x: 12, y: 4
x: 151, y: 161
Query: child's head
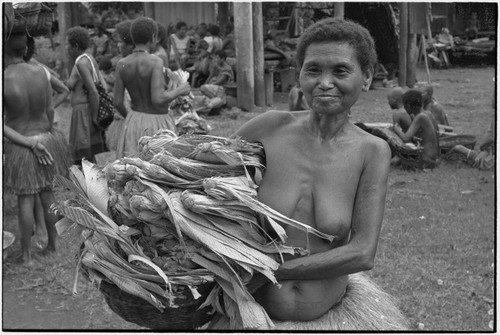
x: 105, y: 64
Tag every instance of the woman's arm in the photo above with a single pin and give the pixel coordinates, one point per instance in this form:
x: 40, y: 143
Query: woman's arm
x: 84, y: 68
x: 119, y: 92
x: 159, y: 95
x: 42, y: 154
x: 358, y: 255
x: 412, y: 131
x: 62, y: 91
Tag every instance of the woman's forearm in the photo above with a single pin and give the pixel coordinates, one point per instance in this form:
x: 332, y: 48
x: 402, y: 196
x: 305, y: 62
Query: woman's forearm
x: 18, y: 138
x: 336, y: 262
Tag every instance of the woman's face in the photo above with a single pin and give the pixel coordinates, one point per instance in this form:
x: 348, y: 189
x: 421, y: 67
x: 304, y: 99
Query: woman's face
x: 71, y: 50
x: 125, y: 49
x: 181, y: 33
x: 331, y: 77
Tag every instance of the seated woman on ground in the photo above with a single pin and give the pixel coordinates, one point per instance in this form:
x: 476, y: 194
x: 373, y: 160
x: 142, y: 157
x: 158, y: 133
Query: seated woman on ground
x: 179, y: 42
x: 201, y: 67
x: 214, y: 91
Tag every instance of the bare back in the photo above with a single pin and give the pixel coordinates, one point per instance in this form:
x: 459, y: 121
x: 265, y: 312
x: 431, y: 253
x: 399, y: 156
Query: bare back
x: 428, y: 131
x: 141, y: 73
x: 27, y: 99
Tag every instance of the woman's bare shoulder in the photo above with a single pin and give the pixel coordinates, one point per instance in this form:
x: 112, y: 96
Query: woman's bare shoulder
x: 263, y: 124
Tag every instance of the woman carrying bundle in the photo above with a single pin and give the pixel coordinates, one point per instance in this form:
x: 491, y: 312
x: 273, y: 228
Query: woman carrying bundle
x: 327, y: 173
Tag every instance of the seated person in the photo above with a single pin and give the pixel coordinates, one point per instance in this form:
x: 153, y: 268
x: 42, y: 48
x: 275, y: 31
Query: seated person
x: 201, y: 67
x: 432, y: 105
x: 179, y: 42
x: 484, y: 158
x: 270, y: 46
x: 473, y: 29
x: 423, y: 126
x: 399, y: 115
x: 213, y: 91
x: 444, y: 37
x: 296, y: 100
x: 379, y: 76
x: 214, y: 41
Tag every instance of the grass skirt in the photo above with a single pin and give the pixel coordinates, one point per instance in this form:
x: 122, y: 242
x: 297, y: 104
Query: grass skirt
x: 22, y: 174
x: 137, y: 125
x: 365, y: 307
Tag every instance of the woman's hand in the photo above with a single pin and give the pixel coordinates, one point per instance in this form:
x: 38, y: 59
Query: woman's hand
x: 42, y: 154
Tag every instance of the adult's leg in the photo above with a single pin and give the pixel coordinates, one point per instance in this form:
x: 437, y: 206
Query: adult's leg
x: 47, y: 198
x: 39, y: 217
x: 26, y: 217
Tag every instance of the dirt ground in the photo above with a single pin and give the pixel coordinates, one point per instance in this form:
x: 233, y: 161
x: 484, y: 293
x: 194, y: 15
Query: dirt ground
x: 42, y: 298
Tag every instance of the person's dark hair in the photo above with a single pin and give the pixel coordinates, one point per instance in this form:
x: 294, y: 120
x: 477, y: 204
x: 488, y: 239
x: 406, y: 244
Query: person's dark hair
x: 30, y: 51
x: 214, y: 30
x: 339, y: 30
x: 78, y: 36
x: 123, y: 31
x: 412, y: 101
x: 162, y: 33
x: 16, y: 44
x: 180, y: 25
x: 143, y: 29
x: 105, y: 64
x: 221, y: 54
x: 202, y: 44
x: 427, y: 92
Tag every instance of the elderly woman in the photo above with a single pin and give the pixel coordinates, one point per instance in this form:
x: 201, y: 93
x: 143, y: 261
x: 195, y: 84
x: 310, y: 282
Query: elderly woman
x: 324, y: 171
x: 85, y: 137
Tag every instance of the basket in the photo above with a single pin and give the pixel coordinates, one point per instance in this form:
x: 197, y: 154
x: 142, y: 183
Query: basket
x: 397, y: 145
x: 142, y: 313
x: 446, y: 142
x: 44, y: 22
x: 25, y: 16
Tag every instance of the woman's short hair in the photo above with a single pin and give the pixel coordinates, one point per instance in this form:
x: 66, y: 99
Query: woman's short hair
x: 143, y: 29
x: 214, y: 30
x: 413, y: 99
x: 221, y: 54
x: 16, y: 44
x: 162, y: 33
x: 339, y: 30
x: 78, y: 36
x: 180, y: 25
x: 123, y: 31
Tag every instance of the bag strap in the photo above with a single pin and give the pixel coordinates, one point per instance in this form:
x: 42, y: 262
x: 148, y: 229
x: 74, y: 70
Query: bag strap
x: 94, y: 74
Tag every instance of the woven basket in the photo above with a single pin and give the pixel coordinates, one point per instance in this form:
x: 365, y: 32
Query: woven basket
x: 142, y: 313
x: 446, y: 142
x: 25, y: 16
x: 44, y: 22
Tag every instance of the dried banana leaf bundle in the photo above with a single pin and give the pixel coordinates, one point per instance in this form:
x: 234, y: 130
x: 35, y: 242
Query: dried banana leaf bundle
x: 183, y: 213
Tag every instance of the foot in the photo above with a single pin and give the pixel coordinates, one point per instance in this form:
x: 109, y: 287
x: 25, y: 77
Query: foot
x: 47, y: 251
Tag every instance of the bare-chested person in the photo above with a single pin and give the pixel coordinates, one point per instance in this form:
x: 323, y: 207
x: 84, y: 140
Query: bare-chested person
x: 423, y: 126
x: 34, y: 151
x: 327, y: 173
x: 399, y: 115
x: 141, y: 74
x: 430, y: 104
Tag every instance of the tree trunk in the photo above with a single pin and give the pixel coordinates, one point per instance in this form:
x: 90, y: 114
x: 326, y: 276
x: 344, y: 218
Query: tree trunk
x: 258, y: 54
x: 243, y: 34
x: 64, y: 18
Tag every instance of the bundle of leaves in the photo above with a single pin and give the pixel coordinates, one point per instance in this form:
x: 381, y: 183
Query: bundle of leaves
x: 182, y: 213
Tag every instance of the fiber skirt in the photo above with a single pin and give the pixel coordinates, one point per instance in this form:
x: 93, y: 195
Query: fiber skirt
x: 137, y: 125
x: 22, y: 174
x: 365, y: 307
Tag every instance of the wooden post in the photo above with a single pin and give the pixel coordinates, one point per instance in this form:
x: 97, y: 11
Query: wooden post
x: 149, y: 9
x: 403, y: 42
x: 411, y: 61
x: 269, y: 87
x: 424, y: 51
x: 338, y: 9
x: 243, y: 34
x: 222, y: 15
x: 64, y: 19
x: 258, y: 54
